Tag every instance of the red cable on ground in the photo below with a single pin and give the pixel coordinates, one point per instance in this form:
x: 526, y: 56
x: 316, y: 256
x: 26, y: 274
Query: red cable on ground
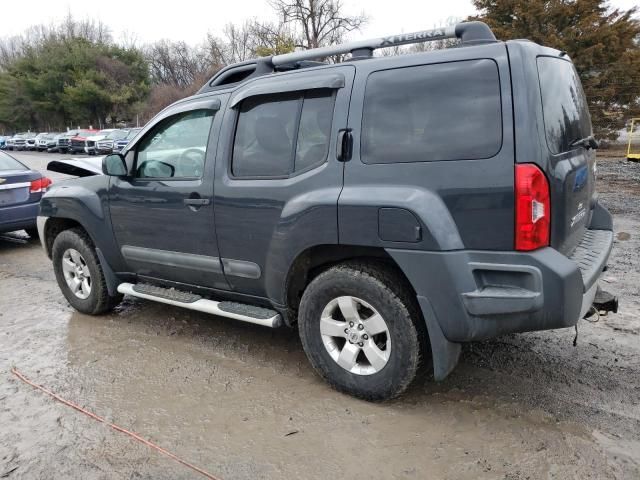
x: 113, y: 426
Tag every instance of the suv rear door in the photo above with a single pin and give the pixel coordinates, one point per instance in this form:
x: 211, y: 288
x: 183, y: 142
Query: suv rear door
x: 162, y: 213
x: 277, y: 178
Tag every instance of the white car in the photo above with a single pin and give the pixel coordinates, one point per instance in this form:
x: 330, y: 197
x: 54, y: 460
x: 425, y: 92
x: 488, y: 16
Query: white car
x: 17, y: 142
x: 90, y: 146
x: 41, y: 141
x: 106, y: 145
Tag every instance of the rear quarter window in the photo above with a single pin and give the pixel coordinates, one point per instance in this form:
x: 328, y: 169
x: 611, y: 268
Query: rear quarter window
x: 445, y: 111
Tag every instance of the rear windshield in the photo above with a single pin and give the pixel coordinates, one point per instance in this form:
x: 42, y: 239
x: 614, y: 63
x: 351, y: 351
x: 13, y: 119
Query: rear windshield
x: 566, y: 115
x: 444, y: 111
x: 9, y: 163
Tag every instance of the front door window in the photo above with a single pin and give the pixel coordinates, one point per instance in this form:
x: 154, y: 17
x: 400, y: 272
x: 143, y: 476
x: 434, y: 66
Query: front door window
x: 176, y: 147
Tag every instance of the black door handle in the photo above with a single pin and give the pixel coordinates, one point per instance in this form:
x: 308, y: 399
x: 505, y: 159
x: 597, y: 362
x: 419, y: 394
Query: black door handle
x: 344, y: 145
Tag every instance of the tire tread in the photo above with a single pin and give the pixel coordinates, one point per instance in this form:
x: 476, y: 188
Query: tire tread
x: 103, y: 302
x: 395, y: 291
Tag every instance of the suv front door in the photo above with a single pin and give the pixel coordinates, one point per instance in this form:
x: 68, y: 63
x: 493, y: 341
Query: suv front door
x: 162, y: 213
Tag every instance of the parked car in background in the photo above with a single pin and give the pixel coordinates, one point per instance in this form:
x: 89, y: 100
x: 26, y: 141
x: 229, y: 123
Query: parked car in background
x: 52, y: 143
x: 62, y: 145
x: 78, y: 143
x: 3, y: 142
x: 91, y: 142
x: 17, y: 142
x: 106, y: 145
x: 64, y: 142
x: 42, y: 141
x: 118, y: 145
x: 20, y: 193
x: 30, y: 141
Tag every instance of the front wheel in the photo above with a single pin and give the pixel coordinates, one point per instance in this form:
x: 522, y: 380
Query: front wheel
x: 79, y: 273
x: 360, y: 329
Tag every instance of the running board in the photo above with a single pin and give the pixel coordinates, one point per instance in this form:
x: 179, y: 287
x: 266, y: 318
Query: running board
x: 238, y: 311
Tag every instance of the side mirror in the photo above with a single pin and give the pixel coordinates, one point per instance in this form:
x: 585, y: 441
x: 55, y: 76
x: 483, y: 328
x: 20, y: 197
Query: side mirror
x: 114, y: 165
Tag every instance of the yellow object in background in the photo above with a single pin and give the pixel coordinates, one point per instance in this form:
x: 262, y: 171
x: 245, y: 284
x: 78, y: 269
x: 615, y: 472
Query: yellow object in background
x: 635, y: 155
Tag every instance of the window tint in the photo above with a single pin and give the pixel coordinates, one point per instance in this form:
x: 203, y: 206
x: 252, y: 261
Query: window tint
x: 265, y: 136
x: 566, y: 115
x: 9, y: 163
x: 176, y: 147
x: 278, y: 135
x: 446, y: 111
x: 315, y: 129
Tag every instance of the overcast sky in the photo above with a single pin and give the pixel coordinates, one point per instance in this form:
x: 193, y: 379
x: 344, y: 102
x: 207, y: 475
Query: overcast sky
x: 190, y: 20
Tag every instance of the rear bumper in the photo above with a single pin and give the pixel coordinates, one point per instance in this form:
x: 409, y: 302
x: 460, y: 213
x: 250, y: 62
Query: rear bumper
x: 18, y: 217
x: 475, y: 295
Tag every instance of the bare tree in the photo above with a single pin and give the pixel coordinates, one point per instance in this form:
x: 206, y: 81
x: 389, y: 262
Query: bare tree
x: 175, y: 63
x: 317, y: 23
x: 272, y: 38
x: 88, y: 29
x: 239, y: 42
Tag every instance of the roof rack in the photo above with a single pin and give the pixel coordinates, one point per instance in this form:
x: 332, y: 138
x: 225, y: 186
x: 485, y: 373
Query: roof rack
x: 467, y: 32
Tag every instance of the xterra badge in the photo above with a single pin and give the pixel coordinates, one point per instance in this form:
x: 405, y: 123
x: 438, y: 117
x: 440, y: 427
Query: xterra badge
x: 578, y: 216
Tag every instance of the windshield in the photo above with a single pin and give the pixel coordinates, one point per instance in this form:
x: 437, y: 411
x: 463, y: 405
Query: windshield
x: 10, y: 163
x: 132, y: 133
x: 565, y: 110
x: 116, y: 135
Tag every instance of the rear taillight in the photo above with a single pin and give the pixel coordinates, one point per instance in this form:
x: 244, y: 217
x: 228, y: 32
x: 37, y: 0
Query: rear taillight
x: 533, y: 208
x: 40, y: 185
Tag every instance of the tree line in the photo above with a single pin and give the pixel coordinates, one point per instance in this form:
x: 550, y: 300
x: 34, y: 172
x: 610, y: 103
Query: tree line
x: 75, y: 73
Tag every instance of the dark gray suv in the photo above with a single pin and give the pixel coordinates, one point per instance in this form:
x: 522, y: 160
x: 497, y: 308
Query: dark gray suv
x: 390, y: 207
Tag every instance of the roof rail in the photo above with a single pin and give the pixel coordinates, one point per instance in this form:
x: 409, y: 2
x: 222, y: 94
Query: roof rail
x: 467, y: 32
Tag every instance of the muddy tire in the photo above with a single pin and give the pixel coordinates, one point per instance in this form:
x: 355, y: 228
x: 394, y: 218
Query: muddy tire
x: 79, y: 274
x: 360, y: 329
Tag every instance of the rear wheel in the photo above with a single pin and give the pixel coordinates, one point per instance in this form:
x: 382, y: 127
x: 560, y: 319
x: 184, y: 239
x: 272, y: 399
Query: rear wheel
x: 79, y: 274
x: 359, y: 328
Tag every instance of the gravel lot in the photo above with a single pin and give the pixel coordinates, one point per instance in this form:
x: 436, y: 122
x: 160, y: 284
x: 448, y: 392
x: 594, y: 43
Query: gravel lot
x: 241, y: 401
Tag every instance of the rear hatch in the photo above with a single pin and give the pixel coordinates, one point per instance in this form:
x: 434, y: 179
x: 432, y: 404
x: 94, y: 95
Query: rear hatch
x: 570, y: 166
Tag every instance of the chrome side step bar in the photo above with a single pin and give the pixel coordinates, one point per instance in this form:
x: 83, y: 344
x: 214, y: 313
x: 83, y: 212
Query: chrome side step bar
x: 237, y: 311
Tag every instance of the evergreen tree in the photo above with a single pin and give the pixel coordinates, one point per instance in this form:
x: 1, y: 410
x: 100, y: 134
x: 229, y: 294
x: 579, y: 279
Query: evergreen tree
x: 604, y: 44
x: 68, y: 81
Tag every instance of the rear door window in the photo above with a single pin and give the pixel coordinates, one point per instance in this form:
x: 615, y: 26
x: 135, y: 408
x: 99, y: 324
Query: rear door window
x: 282, y: 134
x: 564, y: 106
x: 445, y: 111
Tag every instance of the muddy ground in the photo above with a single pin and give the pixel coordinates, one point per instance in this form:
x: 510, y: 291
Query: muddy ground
x: 241, y: 401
